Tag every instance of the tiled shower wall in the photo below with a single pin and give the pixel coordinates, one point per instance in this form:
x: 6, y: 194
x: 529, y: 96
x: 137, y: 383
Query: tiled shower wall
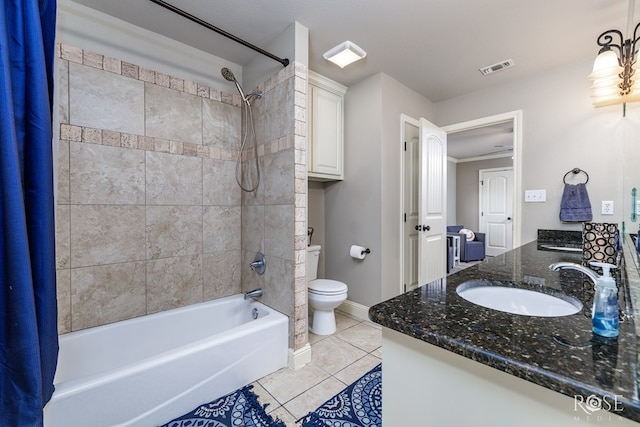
x: 149, y: 216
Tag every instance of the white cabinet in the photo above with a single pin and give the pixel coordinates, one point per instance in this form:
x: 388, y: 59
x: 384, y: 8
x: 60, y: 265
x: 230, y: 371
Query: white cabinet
x: 491, y: 397
x: 325, y: 125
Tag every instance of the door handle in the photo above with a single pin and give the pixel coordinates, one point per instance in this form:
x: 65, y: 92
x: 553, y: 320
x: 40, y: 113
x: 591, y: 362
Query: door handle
x: 422, y: 227
x: 508, y: 218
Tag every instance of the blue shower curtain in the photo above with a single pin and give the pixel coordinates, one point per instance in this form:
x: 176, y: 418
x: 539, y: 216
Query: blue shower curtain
x: 28, y: 314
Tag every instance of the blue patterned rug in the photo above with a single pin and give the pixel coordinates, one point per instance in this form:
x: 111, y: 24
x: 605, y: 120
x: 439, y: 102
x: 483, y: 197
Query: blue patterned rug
x: 358, y: 405
x: 238, y: 409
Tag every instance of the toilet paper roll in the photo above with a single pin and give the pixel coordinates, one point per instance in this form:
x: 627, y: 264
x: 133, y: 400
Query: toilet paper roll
x: 358, y: 252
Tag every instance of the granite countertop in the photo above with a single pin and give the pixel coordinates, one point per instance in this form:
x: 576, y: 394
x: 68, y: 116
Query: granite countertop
x: 559, y: 353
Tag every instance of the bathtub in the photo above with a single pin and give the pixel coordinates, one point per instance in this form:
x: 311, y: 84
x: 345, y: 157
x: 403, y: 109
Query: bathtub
x: 151, y: 369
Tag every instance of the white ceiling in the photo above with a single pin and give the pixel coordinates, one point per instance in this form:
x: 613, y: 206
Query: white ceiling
x: 434, y: 47
x: 488, y: 141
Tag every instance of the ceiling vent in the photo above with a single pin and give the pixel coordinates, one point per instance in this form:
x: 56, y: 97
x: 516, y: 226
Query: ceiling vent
x: 498, y: 66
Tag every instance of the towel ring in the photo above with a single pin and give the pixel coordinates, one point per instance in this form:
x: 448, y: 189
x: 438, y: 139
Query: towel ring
x: 575, y: 171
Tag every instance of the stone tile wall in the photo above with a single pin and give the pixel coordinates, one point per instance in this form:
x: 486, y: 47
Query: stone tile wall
x: 274, y: 217
x: 149, y: 216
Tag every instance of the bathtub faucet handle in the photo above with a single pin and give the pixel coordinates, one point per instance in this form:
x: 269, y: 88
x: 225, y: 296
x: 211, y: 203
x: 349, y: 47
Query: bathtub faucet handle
x: 256, y: 293
x: 259, y: 264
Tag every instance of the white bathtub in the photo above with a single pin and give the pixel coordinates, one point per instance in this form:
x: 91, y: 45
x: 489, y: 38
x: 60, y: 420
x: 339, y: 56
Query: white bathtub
x: 148, y: 370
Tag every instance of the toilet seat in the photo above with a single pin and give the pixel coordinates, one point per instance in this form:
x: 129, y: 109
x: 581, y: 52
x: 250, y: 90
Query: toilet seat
x: 327, y: 287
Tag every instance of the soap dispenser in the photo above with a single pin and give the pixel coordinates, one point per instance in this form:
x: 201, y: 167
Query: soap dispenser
x: 605, y: 303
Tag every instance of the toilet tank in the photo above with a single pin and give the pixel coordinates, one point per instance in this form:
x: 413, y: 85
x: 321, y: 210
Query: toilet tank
x: 313, y: 255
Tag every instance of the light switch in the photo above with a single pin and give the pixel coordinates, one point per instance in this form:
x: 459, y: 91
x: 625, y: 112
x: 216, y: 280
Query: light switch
x: 535, y: 196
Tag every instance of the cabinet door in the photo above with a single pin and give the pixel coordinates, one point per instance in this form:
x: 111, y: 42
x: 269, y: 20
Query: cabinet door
x: 326, y: 154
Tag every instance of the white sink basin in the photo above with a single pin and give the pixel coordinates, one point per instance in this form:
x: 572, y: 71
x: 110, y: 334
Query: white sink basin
x: 561, y: 248
x: 518, y: 301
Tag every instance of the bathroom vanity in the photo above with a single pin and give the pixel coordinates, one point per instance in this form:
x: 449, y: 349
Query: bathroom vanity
x: 448, y: 361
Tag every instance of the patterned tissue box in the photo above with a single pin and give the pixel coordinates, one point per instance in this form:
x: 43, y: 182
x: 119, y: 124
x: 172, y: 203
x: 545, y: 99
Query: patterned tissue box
x: 599, y: 242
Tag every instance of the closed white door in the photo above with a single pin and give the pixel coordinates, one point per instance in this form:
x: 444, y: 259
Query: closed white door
x: 496, y: 209
x: 431, y: 225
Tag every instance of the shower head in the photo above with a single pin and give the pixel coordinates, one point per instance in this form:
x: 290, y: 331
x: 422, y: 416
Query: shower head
x: 228, y: 75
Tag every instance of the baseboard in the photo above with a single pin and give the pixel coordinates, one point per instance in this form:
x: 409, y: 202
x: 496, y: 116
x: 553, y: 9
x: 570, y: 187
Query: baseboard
x: 299, y: 358
x: 354, y: 309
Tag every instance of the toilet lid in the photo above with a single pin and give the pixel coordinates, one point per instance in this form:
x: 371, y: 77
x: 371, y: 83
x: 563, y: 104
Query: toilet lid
x: 327, y: 287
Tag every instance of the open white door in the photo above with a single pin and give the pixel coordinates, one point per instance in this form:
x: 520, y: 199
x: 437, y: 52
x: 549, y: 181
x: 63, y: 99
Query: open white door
x: 433, y: 202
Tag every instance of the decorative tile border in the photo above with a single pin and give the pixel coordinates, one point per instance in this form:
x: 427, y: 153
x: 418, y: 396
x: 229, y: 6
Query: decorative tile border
x: 127, y: 140
x: 70, y: 132
x: 111, y: 138
x: 101, y: 62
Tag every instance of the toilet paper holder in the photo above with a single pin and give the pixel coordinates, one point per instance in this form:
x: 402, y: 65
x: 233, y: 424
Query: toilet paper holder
x: 359, y: 252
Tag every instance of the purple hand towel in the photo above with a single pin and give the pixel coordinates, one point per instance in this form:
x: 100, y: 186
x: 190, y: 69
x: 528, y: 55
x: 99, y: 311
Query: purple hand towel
x: 575, y: 205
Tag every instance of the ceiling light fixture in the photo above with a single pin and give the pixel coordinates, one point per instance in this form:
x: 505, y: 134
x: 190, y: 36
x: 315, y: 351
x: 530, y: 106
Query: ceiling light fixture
x: 613, y: 71
x: 344, y: 54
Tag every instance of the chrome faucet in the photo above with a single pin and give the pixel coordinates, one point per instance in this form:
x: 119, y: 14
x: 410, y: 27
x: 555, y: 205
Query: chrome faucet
x: 259, y: 264
x: 256, y: 293
x: 573, y: 266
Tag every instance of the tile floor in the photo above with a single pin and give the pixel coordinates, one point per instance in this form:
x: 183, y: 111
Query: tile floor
x: 336, y: 361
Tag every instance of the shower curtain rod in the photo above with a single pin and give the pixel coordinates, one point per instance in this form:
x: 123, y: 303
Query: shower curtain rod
x: 283, y: 61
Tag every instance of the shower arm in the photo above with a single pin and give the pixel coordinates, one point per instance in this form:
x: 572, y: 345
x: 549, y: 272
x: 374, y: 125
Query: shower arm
x: 283, y: 61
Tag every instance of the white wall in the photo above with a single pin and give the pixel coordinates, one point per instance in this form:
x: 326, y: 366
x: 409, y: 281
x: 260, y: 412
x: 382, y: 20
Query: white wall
x: 452, y: 168
x: 365, y: 208
x: 352, y: 206
x: 292, y: 44
x: 89, y: 29
x: 561, y: 131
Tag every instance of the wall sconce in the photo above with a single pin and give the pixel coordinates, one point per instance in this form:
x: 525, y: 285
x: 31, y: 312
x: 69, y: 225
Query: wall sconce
x: 614, y: 69
x: 344, y: 54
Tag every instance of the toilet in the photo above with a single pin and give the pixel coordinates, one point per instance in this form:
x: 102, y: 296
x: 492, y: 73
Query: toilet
x: 324, y: 295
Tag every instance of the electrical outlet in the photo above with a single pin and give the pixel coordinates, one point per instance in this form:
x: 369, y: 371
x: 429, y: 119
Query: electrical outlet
x: 607, y: 207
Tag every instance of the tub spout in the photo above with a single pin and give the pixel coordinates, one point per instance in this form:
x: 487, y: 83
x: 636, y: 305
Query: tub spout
x: 256, y: 293
x: 573, y: 266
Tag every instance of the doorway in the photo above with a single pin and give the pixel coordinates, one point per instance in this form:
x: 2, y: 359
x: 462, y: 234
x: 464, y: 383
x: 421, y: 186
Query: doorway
x: 469, y: 202
x: 423, y: 216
